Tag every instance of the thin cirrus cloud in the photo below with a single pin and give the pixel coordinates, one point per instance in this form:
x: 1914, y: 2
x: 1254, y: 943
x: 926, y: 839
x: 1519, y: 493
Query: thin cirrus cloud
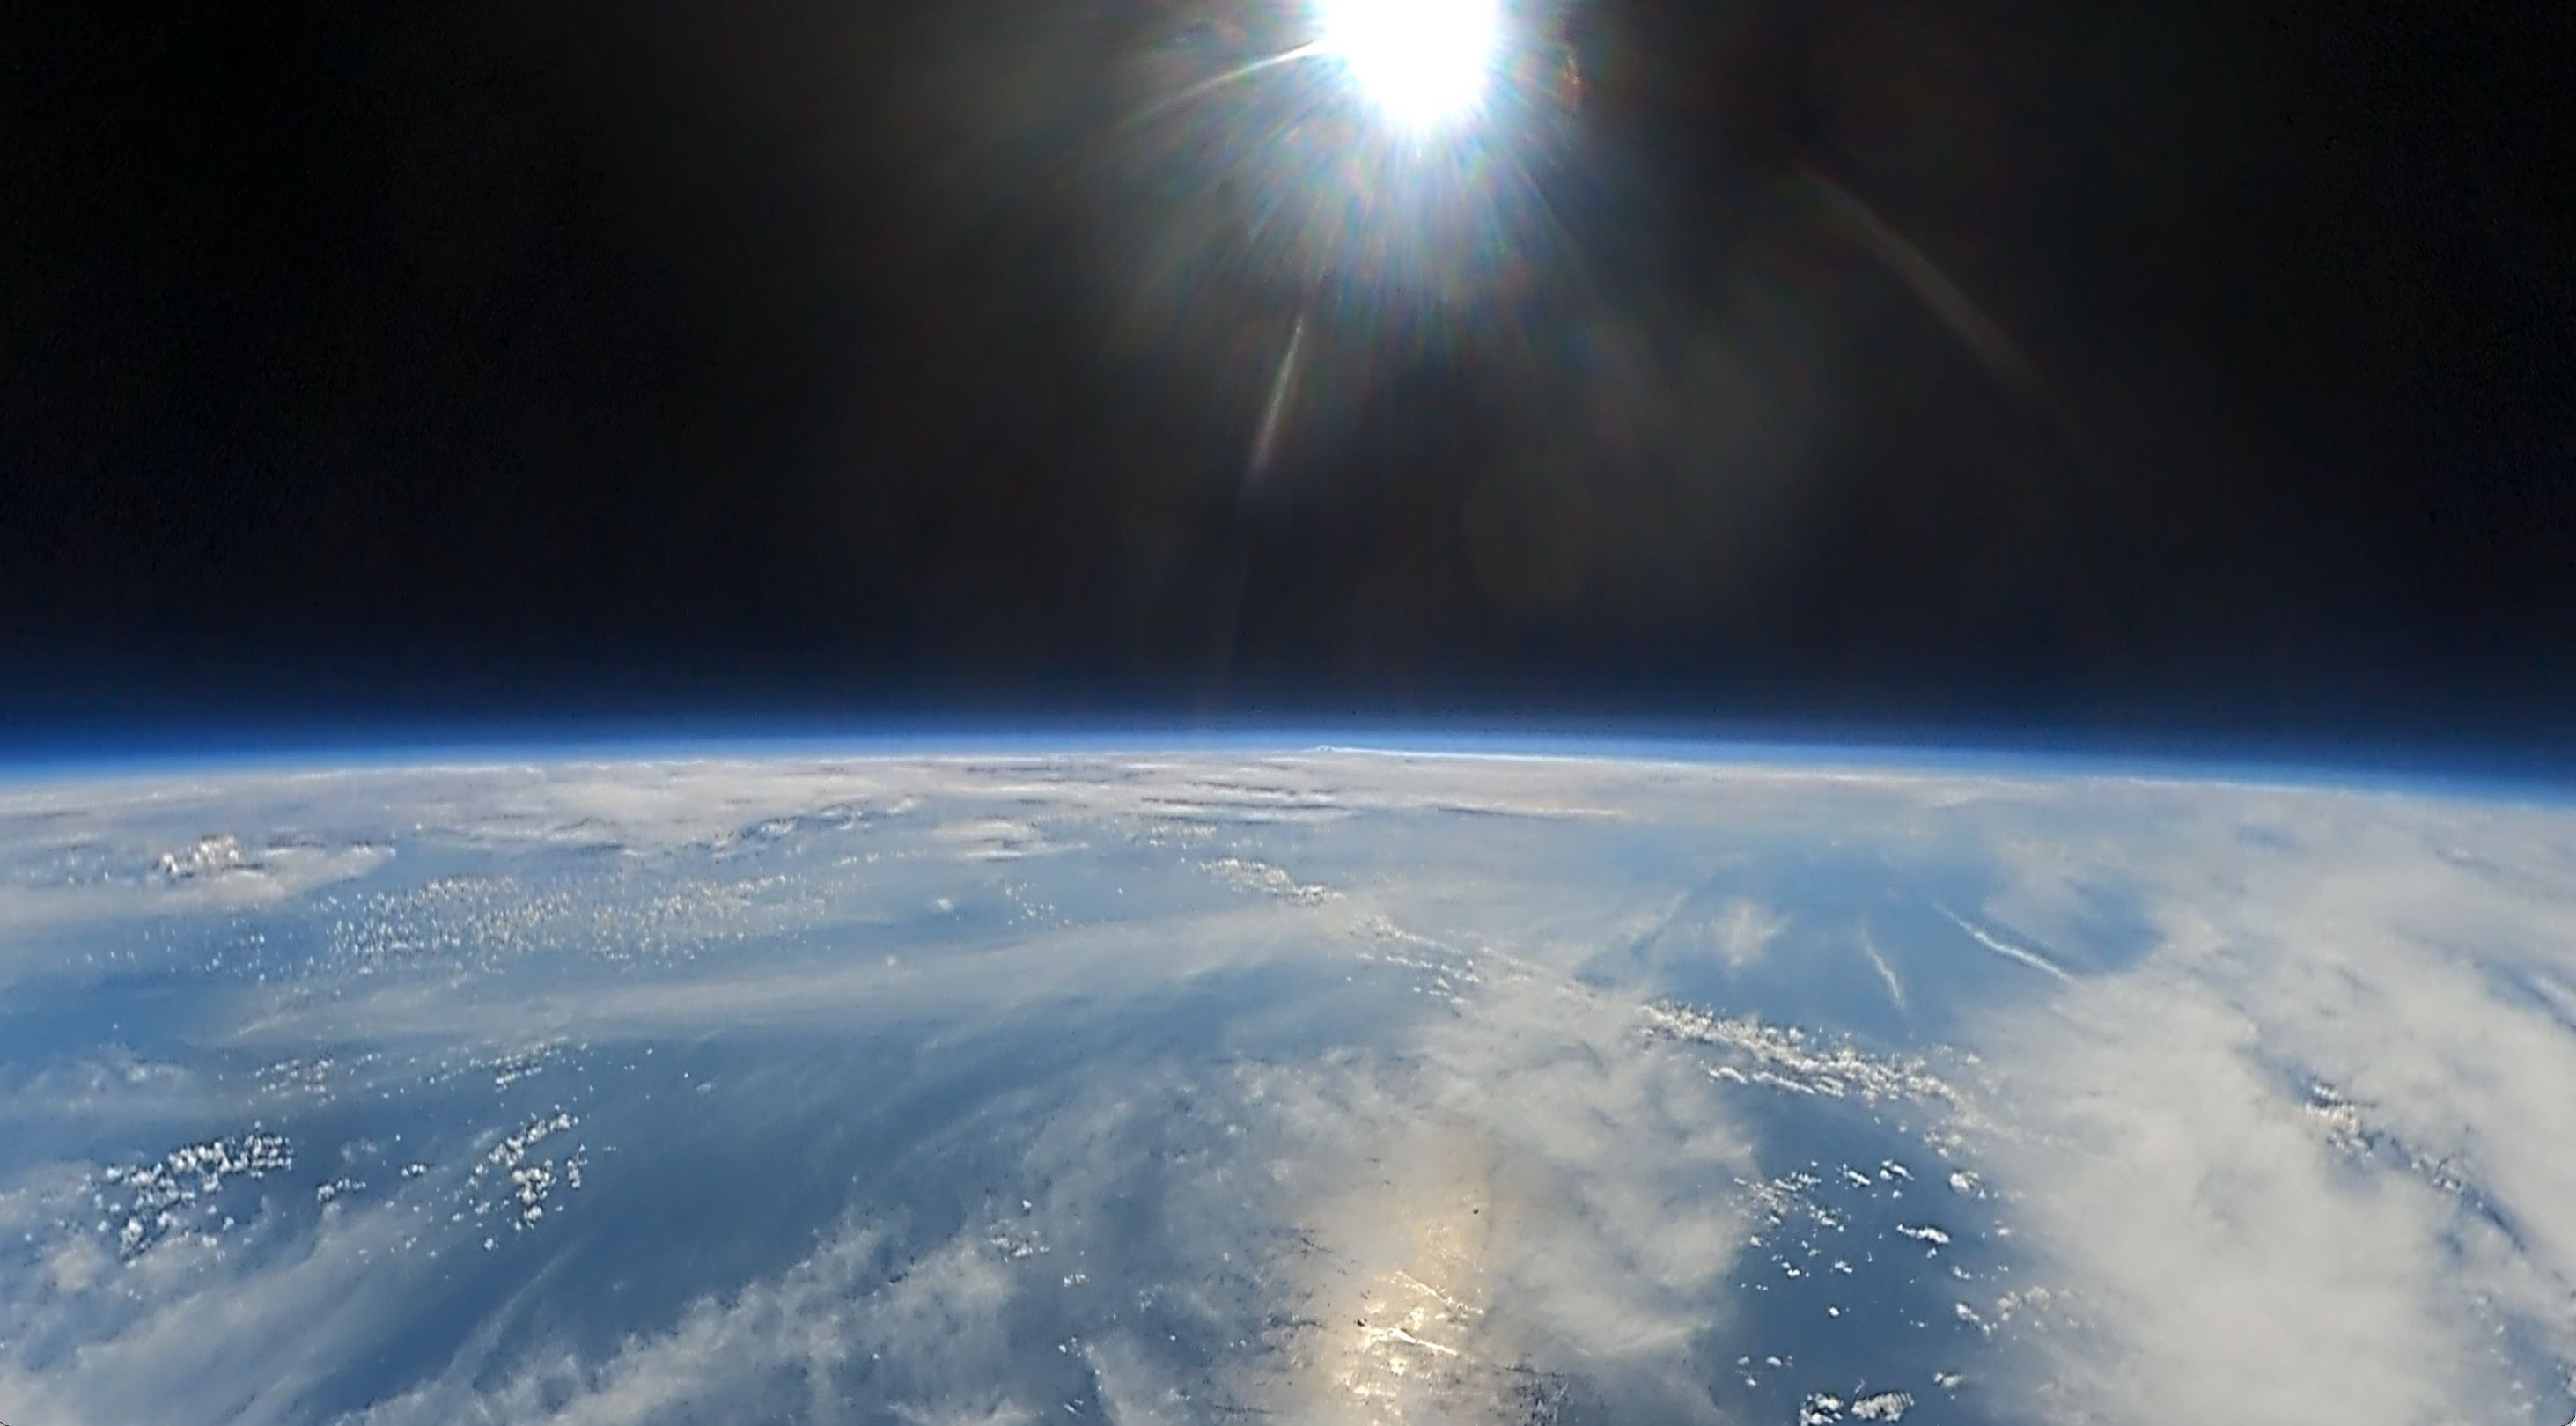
x: 1533, y: 1158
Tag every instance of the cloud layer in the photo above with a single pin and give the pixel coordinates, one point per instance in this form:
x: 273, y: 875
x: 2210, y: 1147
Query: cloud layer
x: 1388, y: 1089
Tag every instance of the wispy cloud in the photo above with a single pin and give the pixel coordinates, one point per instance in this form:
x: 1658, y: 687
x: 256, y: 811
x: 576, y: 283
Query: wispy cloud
x: 2308, y: 1160
x: 1745, y: 930
x: 924, y: 1336
x: 2010, y: 951
x: 1522, y: 1191
x: 1878, y: 962
x: 238, y: 1331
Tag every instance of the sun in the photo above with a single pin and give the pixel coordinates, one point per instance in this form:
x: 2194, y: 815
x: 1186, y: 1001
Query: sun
x: 1424, y: 64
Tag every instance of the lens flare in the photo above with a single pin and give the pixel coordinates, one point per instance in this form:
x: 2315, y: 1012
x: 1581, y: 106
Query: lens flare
x: 1424, y: 64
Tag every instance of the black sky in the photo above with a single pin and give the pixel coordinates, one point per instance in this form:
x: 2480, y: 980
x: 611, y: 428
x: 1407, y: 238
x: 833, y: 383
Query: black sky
x: 850, y: 356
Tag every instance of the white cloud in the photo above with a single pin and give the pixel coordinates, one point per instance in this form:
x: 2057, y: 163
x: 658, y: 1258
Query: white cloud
x: 923, y: 1337
x: 1523, y: 1186
x: 234, y: 1330
x: 2239, y: 1255
x: 1886, y: 972
x: 2018, y: 954
x: 1018, y: 974
x: 1746, y: 929
x: 2301, y: 1155
x: 1524, y: 1192
x: 2226, y: 1266
x: 43, y: 915
x: 993, y: 839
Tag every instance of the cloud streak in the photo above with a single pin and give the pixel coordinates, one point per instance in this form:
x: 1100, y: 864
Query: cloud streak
x: 2018, y: 954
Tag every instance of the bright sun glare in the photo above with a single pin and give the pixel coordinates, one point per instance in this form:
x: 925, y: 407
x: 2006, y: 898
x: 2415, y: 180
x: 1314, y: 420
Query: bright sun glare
x: 1423, y: 63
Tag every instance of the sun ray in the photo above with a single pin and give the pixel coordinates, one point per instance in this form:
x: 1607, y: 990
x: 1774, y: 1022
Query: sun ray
x: 1265, y: 440
x: 1314, y: 49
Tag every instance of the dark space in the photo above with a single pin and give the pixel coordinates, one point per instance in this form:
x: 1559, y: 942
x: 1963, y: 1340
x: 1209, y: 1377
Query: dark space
x: 850, y: 359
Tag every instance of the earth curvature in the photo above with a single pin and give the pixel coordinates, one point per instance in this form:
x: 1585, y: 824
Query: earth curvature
x: 1332, y: 1087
